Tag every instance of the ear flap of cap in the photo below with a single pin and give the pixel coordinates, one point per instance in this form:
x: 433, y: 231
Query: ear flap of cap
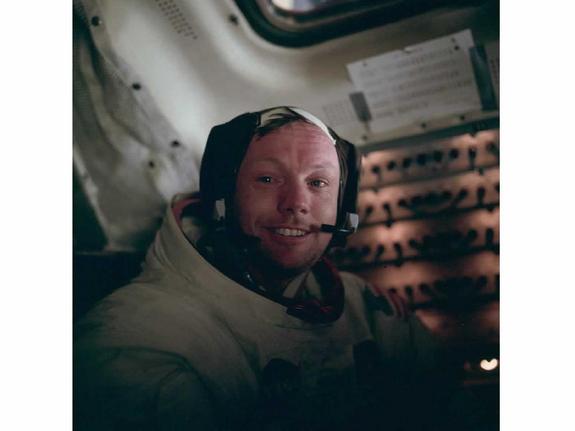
x: 352, y: 160
x: 224, y: 152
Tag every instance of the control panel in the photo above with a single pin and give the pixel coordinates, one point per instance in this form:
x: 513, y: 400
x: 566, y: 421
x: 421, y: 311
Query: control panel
x: 429, y: 229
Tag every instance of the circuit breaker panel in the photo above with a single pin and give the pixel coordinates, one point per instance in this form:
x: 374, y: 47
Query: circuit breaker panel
x: 429, y: 230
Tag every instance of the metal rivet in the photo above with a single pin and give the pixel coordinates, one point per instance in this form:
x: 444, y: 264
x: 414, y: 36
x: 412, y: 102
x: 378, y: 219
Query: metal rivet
x: 96, y: 21
x: 136, y: 86
x: 233, y: 19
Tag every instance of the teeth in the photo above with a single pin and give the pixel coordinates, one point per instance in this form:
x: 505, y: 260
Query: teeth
x: 290, y: 232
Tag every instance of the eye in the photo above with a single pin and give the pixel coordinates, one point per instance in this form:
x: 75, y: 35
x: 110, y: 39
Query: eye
x: 266, y: 179
x: 318, y: 183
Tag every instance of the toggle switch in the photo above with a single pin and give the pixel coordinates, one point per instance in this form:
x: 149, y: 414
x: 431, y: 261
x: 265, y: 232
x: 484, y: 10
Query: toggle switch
x: 437, y: 156
x: 387, y: 208
x: 421, y: 159
x: 472, y: 155
x: 409, y: 292
x: 470, y: 237
x: 489, y: 236
x: 493, y: 149
x: 460, y: 196
x: 368, y: 212
x: 480, y: 196
x: 379, y: 251
x: 453, y: 153
x: 377, y: 171
x: 391, y: 165
x: 399, y: 251
x: 406, y: 162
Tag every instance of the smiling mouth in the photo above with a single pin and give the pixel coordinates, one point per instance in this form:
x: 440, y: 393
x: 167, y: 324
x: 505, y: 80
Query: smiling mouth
x: 289, y: 232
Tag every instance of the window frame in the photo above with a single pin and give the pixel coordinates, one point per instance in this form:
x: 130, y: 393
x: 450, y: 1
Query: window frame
x: 300, y: 30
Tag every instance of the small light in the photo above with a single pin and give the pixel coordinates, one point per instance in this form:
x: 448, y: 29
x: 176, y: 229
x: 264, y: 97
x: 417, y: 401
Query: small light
x: 489, y: 365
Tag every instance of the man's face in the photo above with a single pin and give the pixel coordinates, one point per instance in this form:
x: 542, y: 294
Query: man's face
x: 287, y: 187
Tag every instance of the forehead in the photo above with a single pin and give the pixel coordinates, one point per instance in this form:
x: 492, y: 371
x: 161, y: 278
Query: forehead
x: 298, y: 141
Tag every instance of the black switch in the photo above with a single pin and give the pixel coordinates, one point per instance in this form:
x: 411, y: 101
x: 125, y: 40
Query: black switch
x: 489, y: 236
x: 398, y: 249
x: 387, y: 208
x: 368, y: 212
x: 406, y: 162
x: 471, y: 236
x: 377, y: 171
x: 437, y: 156
x: 480, y: 195
x: 409, y: 292
x: 379, y: 251
x: 472, y: 154
x: 453, y: 153
x: 460, y: 196
x: 391, y: 165
x: 421, y: 159
x: 493, y: 149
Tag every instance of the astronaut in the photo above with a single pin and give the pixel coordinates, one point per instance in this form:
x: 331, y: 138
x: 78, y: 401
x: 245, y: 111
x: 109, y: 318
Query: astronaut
x: 238, y: 319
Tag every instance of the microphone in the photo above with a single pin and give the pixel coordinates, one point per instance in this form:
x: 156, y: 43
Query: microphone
x: 348, y: 227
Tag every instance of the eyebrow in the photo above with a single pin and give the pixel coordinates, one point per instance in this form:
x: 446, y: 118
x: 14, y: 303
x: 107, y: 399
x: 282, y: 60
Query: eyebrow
x: 320, y: 165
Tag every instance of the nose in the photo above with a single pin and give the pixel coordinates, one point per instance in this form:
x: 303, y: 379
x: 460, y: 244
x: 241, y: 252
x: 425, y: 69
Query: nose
x: 294, y: 199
